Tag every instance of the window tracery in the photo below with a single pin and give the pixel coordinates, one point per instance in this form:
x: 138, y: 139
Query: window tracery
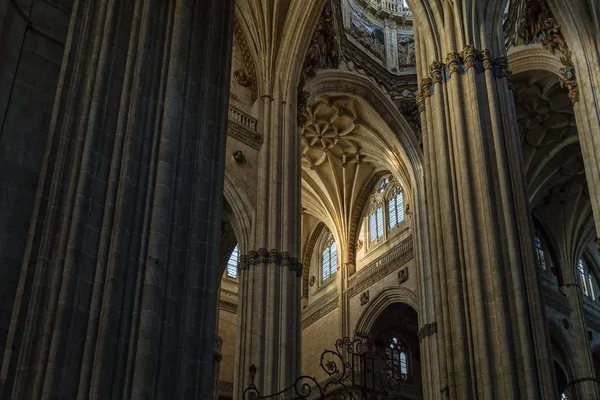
x: 386, y: 213
x: 329, y: 257
x: 398, y: 358
x: 376, y: 221
x: 395, y: 207
x: 541, y: 257
x: 232, y: 263
x: 586, y: 280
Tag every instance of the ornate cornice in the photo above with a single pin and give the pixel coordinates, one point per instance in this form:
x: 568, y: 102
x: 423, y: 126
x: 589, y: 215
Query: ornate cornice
x: 308, y: 255
x: 240, y: 38
x: 380, y: 268
x: 228, y: 301
x: 270, y: 257
x: 321, y: 307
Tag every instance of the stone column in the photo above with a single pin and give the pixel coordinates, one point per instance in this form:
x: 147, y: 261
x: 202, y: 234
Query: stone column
x: 117, y: 295
x: 217, y: 357
x: 569, y: 229
x: 579, y: 21
x: 270, y: 274
x: 491, y: 333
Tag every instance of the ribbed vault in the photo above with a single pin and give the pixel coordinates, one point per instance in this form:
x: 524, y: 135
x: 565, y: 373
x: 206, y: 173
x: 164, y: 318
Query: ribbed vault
x: 345, y: 152
x: 556, y: 181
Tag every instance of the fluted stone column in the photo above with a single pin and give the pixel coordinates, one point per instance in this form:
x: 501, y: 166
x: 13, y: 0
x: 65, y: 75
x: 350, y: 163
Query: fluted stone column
x: 491, y: 329
x: 579, y: 21
x: 271, y: 275
x: 117, y: 295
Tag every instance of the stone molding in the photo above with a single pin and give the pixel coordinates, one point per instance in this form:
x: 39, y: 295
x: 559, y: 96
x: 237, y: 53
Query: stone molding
x: 229, y: 301
x: 263, y: 256
x: 382, y: 267
x: 243, y: 127
x: 240, y: 38
x: 310, y: 246
x: 321, y: 307
x: 469, y: 58
x: 357, y: 212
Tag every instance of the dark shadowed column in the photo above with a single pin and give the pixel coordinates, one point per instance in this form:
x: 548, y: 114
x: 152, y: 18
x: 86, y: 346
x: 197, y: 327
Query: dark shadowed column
x: 118, y: 290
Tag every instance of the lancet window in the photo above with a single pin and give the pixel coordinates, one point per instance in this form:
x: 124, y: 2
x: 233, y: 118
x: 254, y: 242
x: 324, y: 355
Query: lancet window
x: 232, y: 263
x: 329, y: 257
x: 586, y: 280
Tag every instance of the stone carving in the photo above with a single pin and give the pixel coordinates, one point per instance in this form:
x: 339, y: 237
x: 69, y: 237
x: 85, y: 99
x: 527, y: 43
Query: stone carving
x: 369, y: 36
x: 242, y: 78
x: 323, y: 53
x: 359, y: 244
x: 263, y: 257
x: 241, y: 41
x: 364, y: 298
x: 427, y: 330
x: 312, y: 281
x: 382, y: 267
x: 532, y: 21
x: 406, y: 51
x: 239, y: 157
x: 321, y: 307
x: 461, y: 63
x: 228, y: 301
x: 402, y: 276
x: 401, y: 88
x: 328, y: 131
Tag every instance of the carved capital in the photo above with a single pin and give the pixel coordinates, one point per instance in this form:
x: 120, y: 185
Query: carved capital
x: 486, y: 59
x: 469, y: 57
x: 453, y: 63
x: 436, y: 71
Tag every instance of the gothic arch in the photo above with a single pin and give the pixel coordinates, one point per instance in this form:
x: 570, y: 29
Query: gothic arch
x: 308, y: 251
x: 526, y: 58
x: 381, y: 302
x: 240, y: 208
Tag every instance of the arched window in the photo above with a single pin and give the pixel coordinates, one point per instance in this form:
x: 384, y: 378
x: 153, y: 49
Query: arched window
x: 329, y: 260
x: 540, y: 254
x: 586, y: 280
x: 376, y: 222
x: 398, y: 357
x: 232, y: 263
x: 395, y: 207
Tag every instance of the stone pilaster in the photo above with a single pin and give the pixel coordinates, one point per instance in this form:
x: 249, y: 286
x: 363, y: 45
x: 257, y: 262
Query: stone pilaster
x: 270, y: 280
x: 491, y: 332
x: 117, y: 295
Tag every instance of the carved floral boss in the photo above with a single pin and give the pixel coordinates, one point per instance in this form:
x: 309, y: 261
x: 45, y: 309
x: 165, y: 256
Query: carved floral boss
x: 329, y: 131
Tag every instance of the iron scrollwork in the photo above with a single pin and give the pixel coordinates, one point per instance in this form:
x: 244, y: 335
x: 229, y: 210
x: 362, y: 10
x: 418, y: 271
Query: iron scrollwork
x: 356, y: 370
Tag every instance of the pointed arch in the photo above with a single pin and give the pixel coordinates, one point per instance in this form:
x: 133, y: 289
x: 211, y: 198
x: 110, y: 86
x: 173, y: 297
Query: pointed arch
x: 385, y: 298
x: 308, y: 251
